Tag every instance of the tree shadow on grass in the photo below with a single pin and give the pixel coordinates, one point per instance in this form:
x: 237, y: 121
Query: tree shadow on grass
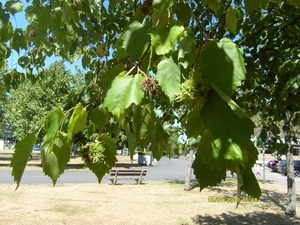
x: 256, y: 217
x: 228, y: 183
x: 270, y: 200
x: 193, y: 184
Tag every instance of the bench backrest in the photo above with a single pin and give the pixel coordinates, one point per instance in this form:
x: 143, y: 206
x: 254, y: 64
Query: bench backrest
x: 128, y: 172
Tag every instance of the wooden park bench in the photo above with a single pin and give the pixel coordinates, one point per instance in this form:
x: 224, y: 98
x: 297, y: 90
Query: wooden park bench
x: 121, y: 174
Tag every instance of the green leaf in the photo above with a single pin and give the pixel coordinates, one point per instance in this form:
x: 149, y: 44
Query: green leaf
x: 159, y: 19
x: 168, y: 77
x: 67, y: 12
x: 206, y: 175
x: 86, y: 60
x: 230, y: 70
x: 163, y: 4
x: 223, y: 122
x: 159, y: 141
x: 60, y: 34
x: 30, y: 13
x: 57, y: 18
x: 4, y: 18
x: 77, y: 121
x: 185, y: 44
x: 91, y: 129
x: 250, y: 154
x: 263, y: 4
x: 165, y: 40
x: 100, y: 117
x: 219, y: 154
x: 143, y: 122
x: 250, y: 184
x: 234, y: 107
x: 182, y: 11
x: 13, y: 6
x: 135, y: 39
x: 55, y: 156
x: 251, y: 5
x: 18, y: 40
x: 108, y: 77
x: 231, y: 20
x: 21, y: 156
x: 294, y: 2
x: 24, y: 61
x: 52, y: 123
x: 6, y: 30
x: 193, y: 124
x: 131, y: 141
x: 212, y: 4
x: 44, y: 17
x: 124, y: 91
x: 121, y: 53
x: 100, y: 169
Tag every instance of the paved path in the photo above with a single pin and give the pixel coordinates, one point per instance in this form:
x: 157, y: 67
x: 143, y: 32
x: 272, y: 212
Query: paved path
x: 165, y: 169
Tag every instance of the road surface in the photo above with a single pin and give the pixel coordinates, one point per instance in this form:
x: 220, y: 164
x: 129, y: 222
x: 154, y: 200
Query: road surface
x: 165, y: 169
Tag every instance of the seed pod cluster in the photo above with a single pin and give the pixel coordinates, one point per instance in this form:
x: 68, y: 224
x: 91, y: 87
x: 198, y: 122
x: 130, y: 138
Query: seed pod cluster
x: 85, y: 154
x: 50, y: 40
x: 193, y: 92
x: 93, y: 153
x: 149, y: 85
x: 146, y: 7
x: 31, y: 33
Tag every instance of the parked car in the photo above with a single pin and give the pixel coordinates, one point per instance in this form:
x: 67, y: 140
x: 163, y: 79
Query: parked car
x: 36, y: 148
x: 274, y: 165
x: 281, y: 166
x: 296, y: 168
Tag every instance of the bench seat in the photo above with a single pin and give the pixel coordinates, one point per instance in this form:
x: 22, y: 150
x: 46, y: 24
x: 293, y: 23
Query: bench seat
x: 121, y: 174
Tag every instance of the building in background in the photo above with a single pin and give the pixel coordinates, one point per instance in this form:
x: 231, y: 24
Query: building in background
x: 7, y: 139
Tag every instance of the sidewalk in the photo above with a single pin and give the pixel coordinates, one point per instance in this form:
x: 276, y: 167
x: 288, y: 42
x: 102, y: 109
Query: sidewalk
x: 74, y: 163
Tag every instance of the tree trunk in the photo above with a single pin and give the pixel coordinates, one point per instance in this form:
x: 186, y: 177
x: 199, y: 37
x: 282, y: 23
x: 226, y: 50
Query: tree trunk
x: 188, y: 177
x: 291, y: 192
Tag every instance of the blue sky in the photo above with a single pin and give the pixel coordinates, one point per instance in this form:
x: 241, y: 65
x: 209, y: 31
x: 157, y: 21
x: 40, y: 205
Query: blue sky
x: 19, y: 21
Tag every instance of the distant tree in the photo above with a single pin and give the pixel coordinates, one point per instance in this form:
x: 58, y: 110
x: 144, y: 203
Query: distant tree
x: 3, y: 100
x: 27, y: 106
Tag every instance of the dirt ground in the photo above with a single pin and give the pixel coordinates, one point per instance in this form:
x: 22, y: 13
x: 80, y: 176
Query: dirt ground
x: 149, y: 203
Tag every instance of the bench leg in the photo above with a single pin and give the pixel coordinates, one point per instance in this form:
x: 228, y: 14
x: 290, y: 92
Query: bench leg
x: 115, y: 178
x: 139, y: 181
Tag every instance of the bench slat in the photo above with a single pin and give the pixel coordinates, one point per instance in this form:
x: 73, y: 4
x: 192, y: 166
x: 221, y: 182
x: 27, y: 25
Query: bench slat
x: 137, y: 175
x: 128, y: 173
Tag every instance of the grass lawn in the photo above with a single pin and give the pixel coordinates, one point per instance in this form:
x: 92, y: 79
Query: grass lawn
x: 149, y: 203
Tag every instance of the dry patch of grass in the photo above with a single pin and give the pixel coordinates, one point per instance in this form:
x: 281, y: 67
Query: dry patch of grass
x: 150, y: 203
